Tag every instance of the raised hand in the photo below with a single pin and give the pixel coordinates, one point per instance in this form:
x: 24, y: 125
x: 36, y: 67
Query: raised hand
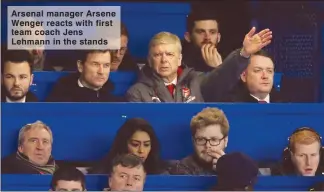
x: 255, y: 42
x: 211, y: 55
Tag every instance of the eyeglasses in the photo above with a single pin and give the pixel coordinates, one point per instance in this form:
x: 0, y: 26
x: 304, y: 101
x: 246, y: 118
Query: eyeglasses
x: 213, y: 141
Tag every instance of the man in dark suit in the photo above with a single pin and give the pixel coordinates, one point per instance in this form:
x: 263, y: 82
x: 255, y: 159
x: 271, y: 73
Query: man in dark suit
x: 256, y: 83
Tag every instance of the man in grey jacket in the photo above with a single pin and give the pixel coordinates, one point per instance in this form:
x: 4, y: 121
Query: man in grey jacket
x: 167, y: 80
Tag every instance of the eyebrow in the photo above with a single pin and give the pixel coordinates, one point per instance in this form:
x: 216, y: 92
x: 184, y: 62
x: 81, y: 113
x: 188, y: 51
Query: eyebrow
x: 140, y: 141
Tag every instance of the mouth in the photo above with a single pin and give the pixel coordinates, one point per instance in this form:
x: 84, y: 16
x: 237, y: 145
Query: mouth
x: 308, y: 170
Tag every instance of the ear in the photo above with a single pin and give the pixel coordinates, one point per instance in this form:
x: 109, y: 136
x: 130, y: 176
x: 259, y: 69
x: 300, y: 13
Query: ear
x: 225, y: 141
x: 20, y: 149
x: 187, y: 37
x: 109, y: 181
x: 180, y: 60
x: 219, y: 37
x: 80, y: 66
x: 243, y: 76
x: 31, y: 79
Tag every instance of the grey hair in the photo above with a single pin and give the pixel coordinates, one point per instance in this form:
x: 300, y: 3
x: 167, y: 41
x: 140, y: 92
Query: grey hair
x: 27, y: 127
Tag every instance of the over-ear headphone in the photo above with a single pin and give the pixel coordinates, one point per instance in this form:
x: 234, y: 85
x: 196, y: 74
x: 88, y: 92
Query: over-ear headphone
x: 288, y: 166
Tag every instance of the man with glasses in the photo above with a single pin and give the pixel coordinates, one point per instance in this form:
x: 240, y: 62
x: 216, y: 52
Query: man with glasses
x: 121, y: 59
x: 210, y: 137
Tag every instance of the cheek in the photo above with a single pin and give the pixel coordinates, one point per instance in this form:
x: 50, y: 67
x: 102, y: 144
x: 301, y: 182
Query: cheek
x: 131, y: 149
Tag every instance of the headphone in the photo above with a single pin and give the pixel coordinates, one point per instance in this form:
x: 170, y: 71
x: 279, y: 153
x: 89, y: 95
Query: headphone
x: 288, y: 167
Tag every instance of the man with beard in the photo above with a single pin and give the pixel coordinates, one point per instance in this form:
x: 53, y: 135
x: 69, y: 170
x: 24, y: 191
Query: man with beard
x: 209, y: 130
x: 17, y: 77
x: 200, y: 43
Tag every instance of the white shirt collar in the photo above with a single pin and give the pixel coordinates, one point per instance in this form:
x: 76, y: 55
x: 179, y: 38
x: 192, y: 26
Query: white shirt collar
x: 174, y: 82
x: 267, y: 98
x: 10, y: 101
x: 79, y: 83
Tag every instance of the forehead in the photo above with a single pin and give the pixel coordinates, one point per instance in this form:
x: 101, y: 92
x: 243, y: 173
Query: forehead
x: 206, y: 24
x: 62, y: 184
x: 261, y: 61
x: 310, y: 148
x: 38, y: 132
x: 168, y: 47
x: 138, y: 170
x: 16, y: 68
x: 210, y: 131
x: 99, y: 57
x: 141, y: 135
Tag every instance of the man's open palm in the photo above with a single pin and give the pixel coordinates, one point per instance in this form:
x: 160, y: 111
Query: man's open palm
x: 255, y: 42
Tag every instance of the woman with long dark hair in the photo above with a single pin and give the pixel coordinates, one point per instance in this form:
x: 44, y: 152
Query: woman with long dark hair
x: 135, y: 136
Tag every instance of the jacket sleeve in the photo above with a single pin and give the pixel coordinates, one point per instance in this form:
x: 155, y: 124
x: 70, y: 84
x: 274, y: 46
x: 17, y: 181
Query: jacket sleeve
x: 134, y: 94
x: 216, y: 85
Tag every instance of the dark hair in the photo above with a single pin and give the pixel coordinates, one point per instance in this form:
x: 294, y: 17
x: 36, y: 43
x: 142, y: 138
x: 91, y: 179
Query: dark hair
x: 123, y: 30
x: 263, y: 53
x: 84, y: 54
x: 127, y: 160
x: 199, y: 16
x: 68, y: 174
x: 119, y: 147
x: 15, y: 56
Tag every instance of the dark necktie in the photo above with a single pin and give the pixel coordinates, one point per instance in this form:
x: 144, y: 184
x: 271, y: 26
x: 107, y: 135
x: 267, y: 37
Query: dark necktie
x: 171, y: 88
x: 262, y: 102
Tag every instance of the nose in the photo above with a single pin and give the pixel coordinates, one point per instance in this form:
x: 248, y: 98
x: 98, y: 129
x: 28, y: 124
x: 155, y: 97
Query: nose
x: 264, y: 75
x: 129, y: 182
x: 208, y: 144
x: 40, y: 145
x: 164, y: 58
x: 307, y: 161
x: 17, y: 82
x: 100, y: 70
x: 140, y: 149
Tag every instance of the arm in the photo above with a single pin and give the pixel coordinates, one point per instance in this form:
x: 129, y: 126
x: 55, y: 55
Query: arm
x: 216, y: 84
x: 134, y: 95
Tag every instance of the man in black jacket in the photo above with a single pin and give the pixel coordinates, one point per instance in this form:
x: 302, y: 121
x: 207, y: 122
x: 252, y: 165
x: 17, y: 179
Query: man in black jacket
x: 90, y: 84
x: 34, y: 151
x: 17, y: 76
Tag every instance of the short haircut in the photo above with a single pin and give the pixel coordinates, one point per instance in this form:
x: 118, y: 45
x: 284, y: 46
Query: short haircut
x: 127, y: 160
x: 210, y: 116
x: 263, y: 53
x: 199, y: 16
x: 84, y: 54
x: 28, y: 127
x: 123, y: 30
x: 15, y: 56
x: 165, y: 38
x: 68, y: 174
x: 305, y: 135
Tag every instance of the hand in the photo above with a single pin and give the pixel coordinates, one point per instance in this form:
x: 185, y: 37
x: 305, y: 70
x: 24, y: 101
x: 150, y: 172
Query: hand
x: 216, y: 154
x: 255, y: 42
x: 211, y: 55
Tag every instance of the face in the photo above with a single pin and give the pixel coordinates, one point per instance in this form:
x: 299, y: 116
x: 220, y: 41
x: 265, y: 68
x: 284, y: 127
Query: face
x: 306, y: 158
x: 204, y: 32
x: 217, y: 141
x: 17, y: 78
x: 165, y: 59
x: 127, y: 179
x: 63, y: 185
x: 119, y: 54
x: 95, y: 70
x: 37, y: 145
x: 259, y: 75
x: 140, y: 144
x: 37, y: 54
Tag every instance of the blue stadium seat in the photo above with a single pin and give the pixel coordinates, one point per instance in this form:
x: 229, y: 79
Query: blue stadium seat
x: 85, y: 131
x: 159, y: 183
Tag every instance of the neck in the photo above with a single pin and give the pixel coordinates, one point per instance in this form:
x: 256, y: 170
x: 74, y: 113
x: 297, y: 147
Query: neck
x: 85, y: 84
x: 16, y: 101
x: 260, y: 96
x: 170, y: 78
